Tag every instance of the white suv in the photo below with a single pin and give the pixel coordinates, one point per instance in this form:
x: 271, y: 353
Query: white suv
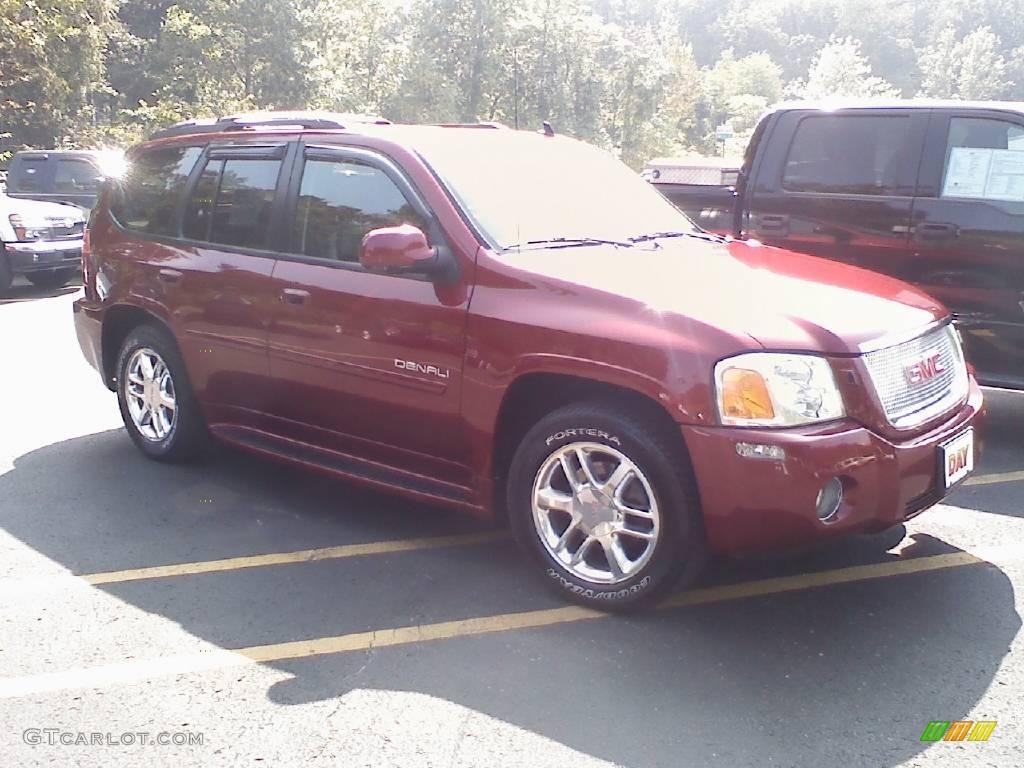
x: 42, y: 241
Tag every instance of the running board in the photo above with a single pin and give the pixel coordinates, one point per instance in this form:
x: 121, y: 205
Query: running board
x: 342, y: 464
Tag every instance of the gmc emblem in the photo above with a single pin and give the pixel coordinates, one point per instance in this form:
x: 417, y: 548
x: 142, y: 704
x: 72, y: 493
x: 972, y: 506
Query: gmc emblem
x: 924, y: 369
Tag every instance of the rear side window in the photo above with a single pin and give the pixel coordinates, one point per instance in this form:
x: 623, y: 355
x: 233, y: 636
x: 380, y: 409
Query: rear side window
x: 339, y: 202
x: 232, y: 202
x: 77, y: 176
x: 984, y: 160
x: 146, y: 197
x: 852, y: 155
x: 30, y: 174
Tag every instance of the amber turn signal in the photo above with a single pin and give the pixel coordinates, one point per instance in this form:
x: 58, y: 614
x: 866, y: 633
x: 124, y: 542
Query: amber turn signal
x: 745, y: 395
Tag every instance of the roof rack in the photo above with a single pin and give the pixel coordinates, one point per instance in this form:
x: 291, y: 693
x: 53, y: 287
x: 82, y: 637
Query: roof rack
x: 470, y: 125
x: 249, y: 121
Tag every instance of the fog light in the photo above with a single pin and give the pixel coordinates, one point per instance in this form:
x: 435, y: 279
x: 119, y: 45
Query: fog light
x: 829, y: 498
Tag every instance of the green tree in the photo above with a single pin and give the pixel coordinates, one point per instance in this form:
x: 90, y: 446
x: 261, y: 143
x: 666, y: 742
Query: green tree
x: 457, y: 61
x: 51, y: 68
x: 355, y: 53
x: 736, y: 92
x: 971, y: 68
x: 840, y: 70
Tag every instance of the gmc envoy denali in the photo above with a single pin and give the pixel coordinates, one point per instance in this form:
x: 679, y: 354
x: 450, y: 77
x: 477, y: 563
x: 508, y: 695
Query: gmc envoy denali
x: 518, y: 325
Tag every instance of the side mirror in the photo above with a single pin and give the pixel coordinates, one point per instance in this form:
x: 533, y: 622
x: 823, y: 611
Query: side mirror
x: 397, y: 249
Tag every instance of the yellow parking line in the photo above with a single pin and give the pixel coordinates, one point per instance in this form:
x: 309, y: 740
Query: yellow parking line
x: 362, y: 641
x: 301, y: 556
x: 824, y: 578
x: 1002, y: 477
x: 135, y: 671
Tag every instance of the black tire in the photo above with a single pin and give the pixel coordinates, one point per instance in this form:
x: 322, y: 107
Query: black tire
x: 6, y: 275
x: 188, y: 435
x: 679, y: 549
x: 50, y: 280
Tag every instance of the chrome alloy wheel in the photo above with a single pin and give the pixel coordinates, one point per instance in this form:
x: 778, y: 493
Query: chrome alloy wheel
x: 149, y: 393
x: 595, y: 512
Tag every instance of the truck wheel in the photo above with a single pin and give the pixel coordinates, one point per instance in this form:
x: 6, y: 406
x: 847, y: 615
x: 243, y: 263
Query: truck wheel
x: 50, y: 280
x: 605, y: 503
x: 158, y: 407
x: 6, y: 276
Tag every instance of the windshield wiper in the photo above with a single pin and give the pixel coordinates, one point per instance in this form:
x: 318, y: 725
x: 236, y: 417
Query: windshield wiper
x: 571, y: 242
x: 707, y: 236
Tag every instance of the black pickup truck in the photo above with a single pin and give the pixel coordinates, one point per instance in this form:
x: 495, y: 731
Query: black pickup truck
x: 929, y: 192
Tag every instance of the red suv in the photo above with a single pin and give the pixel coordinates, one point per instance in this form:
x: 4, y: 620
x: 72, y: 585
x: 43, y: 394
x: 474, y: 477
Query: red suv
x: 518, y: 325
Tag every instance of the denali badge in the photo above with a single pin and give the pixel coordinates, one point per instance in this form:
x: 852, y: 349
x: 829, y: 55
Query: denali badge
x: 432, y: 370
x: 924, y: 369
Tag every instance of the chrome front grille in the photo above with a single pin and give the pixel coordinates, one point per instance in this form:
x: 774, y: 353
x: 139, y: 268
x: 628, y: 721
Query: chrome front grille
x: 921, y: 378
x: 63, y: 229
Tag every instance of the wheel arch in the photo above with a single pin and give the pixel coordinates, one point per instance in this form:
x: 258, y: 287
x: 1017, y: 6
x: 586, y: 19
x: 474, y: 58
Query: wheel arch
x: 118, y: 322
x: 533, y: 395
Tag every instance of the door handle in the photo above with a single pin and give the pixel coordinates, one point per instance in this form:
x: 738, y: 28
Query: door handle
x: 295, y: 296
x: 170, y: 276
x: 932, y: 232
x: 773, y: 222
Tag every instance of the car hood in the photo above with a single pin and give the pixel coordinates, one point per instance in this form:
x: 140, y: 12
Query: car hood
x: 782, y: 300
x: 39, y: 209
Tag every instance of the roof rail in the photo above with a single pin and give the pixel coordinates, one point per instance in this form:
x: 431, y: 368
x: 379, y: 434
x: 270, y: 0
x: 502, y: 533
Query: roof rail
x: 254, y: 120
x: 470, y: 125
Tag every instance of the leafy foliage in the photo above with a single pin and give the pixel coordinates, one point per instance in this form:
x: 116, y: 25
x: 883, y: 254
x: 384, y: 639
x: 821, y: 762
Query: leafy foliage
x: 642, y: 77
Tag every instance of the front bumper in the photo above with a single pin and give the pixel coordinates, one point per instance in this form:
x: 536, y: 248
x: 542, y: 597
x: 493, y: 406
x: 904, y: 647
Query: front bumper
x: 757, y: 504
x: 44, y: 255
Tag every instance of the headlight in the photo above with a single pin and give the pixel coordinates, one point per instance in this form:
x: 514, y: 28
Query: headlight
x: 27, y: 230
x: 771, y: 389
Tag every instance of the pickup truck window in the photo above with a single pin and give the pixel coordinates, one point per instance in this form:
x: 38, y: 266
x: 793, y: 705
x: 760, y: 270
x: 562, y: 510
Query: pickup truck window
x: 30, y: 175
x: 339, y: 202
x: 984, y: 160
x: 74, y: 175
x: 851, y: 155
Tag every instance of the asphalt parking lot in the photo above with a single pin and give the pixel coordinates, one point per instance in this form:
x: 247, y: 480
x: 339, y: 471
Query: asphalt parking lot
x: 282, y: 618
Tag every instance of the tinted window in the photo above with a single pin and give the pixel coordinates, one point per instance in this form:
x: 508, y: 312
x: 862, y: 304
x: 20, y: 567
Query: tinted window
x: 984, y: 160
x: 339, y: 202
x: 199, y: 211
x: 77, y: 176
x: 852, y: 155
x: 232, y: 201
x: 29, y: 175
x: 146, y: 197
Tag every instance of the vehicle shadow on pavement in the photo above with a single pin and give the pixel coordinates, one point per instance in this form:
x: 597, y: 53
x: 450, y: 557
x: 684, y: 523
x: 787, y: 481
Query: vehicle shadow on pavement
x: 28, y: 292
x: 801, y: 676
x: 1003, y: 452
x: 844, y: 675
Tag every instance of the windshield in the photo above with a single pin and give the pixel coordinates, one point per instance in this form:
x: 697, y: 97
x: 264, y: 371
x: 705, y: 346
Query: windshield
x: 521, y: 188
